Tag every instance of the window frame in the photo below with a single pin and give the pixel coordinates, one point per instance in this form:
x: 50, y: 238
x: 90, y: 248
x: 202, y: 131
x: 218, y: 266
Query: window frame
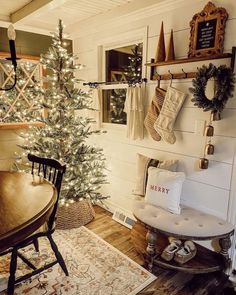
x: 117, y: 41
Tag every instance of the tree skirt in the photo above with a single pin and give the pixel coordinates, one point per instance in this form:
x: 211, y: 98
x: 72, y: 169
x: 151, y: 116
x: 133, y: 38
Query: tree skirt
x: 75, y: 215
x: 95, y: 268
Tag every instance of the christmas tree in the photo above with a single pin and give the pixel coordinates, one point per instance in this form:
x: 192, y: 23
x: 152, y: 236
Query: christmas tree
x: 64, y: 135
x: 133, y: 72
x: 118, y: 116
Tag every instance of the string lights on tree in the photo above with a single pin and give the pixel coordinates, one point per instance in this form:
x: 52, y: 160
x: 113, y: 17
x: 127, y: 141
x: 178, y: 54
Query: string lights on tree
x: 65, y: 133
x: 133, y: 72
x: 21, y: 103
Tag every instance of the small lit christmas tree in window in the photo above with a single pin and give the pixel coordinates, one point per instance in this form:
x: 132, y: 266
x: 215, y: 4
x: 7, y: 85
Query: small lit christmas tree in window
x: 133, y: 72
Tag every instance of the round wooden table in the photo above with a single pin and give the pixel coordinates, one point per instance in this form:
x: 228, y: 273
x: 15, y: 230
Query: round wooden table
x: 26, y: 202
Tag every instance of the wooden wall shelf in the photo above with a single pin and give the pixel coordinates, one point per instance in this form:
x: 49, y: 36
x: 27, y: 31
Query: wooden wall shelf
x: 188, y: 60
x: 183, y: 75
x: 4, y: 55
x: 19, y: 125
x: 188, y: 75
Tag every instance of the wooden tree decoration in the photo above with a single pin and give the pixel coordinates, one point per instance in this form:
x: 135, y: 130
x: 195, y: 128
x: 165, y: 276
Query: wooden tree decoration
x: 170, y: 55
x: 161, y: 50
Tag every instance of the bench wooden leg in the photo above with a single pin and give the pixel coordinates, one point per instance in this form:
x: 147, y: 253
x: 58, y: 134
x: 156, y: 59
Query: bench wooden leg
x: 225, y: 244
x: 151, y: 238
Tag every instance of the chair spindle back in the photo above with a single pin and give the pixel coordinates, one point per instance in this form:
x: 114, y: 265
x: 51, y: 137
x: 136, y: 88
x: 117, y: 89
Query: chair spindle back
x: 53, y: 171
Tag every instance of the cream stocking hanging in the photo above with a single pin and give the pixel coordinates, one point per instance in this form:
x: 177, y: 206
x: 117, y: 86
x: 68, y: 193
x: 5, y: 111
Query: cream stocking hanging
x: 165, y: 122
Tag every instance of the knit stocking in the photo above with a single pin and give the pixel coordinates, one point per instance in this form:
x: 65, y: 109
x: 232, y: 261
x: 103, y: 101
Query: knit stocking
x: 165, y: 122
x: 153, y: 113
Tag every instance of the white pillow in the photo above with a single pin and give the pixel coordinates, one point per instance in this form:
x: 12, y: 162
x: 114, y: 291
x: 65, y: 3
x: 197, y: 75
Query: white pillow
x: 143, y: 163
x: 164, y: 189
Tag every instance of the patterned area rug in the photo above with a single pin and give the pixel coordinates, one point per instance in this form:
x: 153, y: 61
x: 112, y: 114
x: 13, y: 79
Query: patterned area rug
x: 95, y: 268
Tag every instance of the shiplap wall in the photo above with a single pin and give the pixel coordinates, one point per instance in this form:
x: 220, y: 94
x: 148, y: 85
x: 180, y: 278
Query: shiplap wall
x: 212, y: 190
x: 9, y: 139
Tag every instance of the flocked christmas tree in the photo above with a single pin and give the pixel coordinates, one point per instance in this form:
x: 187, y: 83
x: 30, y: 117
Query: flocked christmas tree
x: 65, y: 134
x: 118, y: 116
x: 133, y: 74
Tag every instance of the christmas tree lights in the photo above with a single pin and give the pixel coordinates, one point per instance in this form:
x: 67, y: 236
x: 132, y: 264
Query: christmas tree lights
x: 64, y: 135
x: 21, y: 103
x: 133, y: 72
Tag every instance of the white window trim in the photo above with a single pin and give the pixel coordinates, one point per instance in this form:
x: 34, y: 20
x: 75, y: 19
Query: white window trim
x: 112, y: 42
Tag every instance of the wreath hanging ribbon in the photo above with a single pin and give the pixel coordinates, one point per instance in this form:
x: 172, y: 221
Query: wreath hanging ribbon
x: 224, y: 87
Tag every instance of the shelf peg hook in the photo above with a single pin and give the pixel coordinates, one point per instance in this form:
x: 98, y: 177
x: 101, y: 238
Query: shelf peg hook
x: 186, y: 75
x: 171, y: 77
x: 159, y: 80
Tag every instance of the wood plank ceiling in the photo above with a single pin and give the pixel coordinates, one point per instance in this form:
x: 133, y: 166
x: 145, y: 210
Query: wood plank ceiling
x: 9, y: 7
x: 44, y: 14
x: 79, y: 10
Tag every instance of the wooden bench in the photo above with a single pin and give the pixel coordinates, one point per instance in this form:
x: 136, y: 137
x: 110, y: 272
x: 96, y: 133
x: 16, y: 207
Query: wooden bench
x: 190, y: 225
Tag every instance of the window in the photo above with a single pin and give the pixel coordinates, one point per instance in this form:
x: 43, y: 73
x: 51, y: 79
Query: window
x: 124, y: 63
x: 122, y: 66
x: 113, y: 106
x: 20, y: 103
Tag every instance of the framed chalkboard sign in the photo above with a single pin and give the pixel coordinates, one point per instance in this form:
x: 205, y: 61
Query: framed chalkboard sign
x: 207, y: 31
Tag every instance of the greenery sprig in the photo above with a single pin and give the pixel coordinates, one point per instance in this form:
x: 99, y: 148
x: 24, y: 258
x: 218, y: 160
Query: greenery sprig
x: 224, y: 87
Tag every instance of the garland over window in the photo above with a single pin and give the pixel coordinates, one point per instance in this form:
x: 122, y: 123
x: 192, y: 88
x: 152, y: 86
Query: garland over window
x: 224, y: 87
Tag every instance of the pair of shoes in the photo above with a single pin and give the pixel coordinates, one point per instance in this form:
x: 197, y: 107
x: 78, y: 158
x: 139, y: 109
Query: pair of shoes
x: 187, y: 252
x: 171, y: 249
x: 180, y: 253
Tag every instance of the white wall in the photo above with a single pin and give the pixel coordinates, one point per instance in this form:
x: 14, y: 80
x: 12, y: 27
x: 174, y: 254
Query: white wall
x: 9, y: 139
x: 212, y: 190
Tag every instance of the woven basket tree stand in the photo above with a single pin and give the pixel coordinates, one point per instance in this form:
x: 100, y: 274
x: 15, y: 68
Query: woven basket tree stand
x: 75, y: 215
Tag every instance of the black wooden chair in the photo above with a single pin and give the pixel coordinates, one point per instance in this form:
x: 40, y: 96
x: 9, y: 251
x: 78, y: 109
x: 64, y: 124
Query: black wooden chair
x: 53, y: 171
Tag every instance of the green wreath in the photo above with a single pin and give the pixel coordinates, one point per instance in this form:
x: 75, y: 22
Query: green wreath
x: 224, y: 87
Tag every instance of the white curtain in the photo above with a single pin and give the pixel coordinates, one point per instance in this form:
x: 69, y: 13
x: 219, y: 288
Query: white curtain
x: 135, y: 112
x: 97, y: 105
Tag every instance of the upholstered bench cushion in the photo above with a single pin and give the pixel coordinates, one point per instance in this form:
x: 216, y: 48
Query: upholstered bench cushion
x: 191, y: 223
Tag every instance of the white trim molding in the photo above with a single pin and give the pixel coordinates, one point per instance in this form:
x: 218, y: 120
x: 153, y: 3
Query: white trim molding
x: 123, y: 39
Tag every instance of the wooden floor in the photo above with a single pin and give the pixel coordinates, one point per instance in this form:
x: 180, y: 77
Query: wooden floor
x: 168, y: 282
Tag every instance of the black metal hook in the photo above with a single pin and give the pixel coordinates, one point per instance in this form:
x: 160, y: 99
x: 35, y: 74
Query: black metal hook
x: 186, y: 75
x: 158, y: 76
x: 159, y: 80
x: 171, y: 75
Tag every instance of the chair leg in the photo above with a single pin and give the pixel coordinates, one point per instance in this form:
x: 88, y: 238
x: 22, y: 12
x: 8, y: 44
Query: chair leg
x: 26, y: 261
x: 58, y: 255
x: 36, y: 245
x: 13, y: 265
